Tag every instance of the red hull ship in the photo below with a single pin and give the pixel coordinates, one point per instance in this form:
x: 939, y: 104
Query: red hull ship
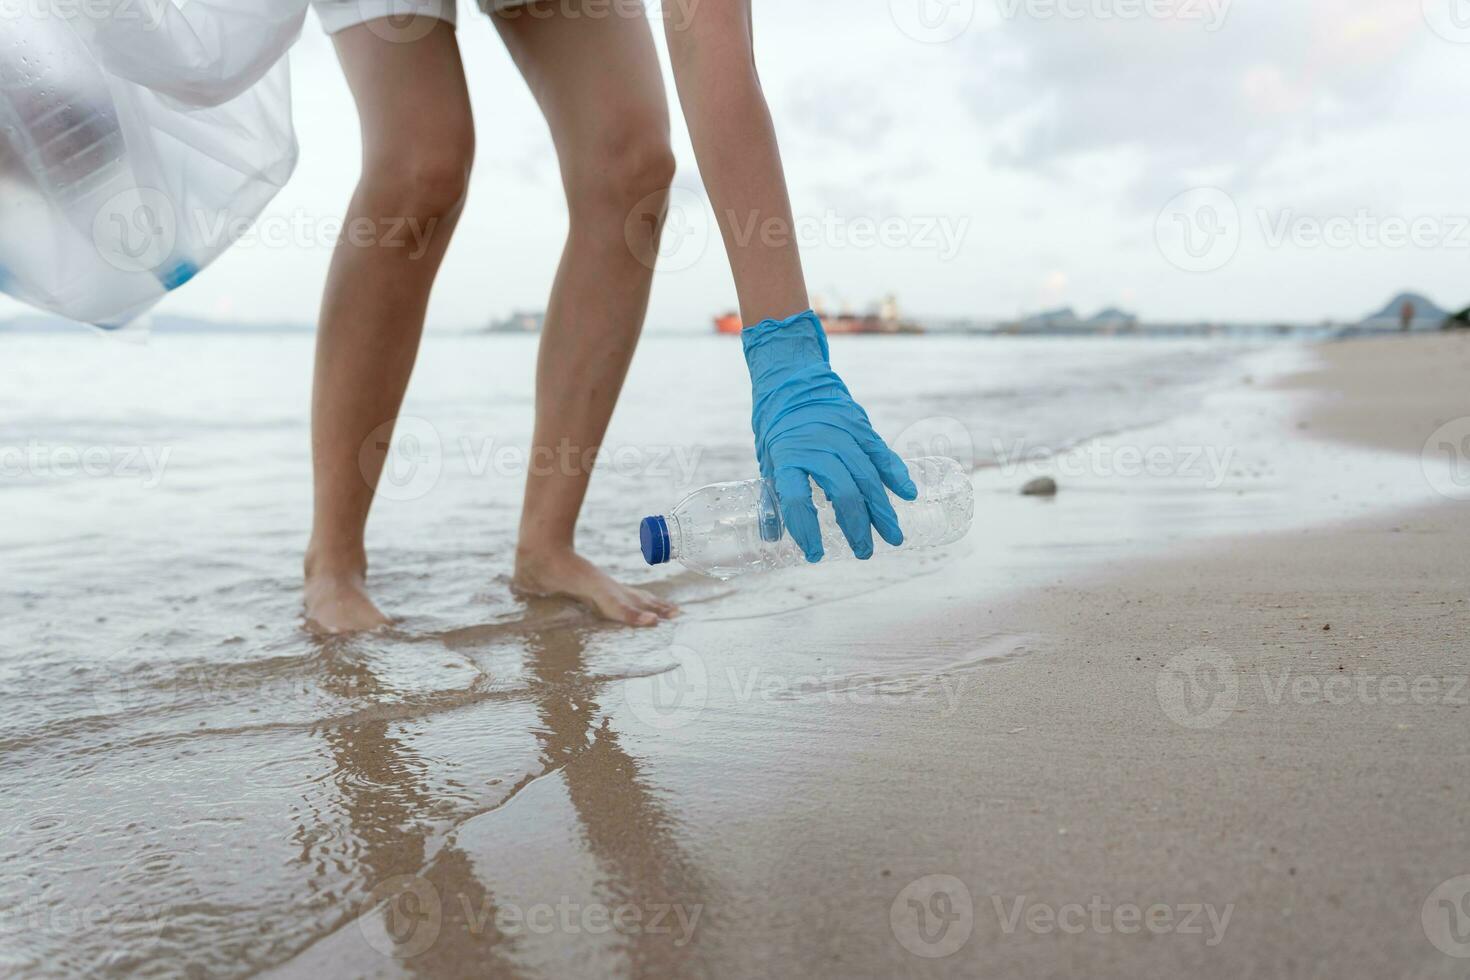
x: 885, y: 321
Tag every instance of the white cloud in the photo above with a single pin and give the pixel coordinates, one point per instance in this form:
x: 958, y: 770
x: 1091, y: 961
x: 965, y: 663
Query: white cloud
x: 1054, y: 140
x: 1180, y: 97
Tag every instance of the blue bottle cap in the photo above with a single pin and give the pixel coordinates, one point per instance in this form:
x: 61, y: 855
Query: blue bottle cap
x: 178, y: 274
x: 654, y: 536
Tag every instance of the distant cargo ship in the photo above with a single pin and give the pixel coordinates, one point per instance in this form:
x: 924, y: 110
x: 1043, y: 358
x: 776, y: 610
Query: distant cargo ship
x: 518, y: 322
x: 886, y: 320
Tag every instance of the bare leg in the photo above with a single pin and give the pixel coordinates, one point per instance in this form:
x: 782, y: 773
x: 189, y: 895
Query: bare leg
x: 597, y: 80
x: 418, y: 142
x: 712, y: 49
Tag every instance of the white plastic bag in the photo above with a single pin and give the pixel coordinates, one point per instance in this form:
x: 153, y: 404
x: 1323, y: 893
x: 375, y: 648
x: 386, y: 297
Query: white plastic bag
x: 138, y: 141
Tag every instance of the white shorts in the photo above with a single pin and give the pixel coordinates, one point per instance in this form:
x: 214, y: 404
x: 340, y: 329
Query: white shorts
x: 337, y: 15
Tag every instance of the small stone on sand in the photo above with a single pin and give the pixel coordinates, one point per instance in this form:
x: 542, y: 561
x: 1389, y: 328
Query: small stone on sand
x: 1042, y: 486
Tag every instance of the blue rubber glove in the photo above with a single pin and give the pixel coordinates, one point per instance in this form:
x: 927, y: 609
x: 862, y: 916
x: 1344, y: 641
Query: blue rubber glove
x: 807, y: 425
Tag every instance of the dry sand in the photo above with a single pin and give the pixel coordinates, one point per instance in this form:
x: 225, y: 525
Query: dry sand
x: 1324, y: 817
x: 1133, y: 767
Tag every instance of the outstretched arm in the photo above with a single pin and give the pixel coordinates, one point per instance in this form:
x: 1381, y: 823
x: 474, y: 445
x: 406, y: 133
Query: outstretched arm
x: 712, y: 50
x: 807, y: 425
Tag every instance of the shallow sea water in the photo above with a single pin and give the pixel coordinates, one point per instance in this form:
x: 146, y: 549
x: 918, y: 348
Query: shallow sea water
x: 195, y: 785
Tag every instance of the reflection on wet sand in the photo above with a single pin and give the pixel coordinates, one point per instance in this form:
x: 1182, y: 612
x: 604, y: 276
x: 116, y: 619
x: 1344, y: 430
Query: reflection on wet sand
x: 377, y: 778
x: 623, y: 824
x: 185, y: 714
x: 473, y: 900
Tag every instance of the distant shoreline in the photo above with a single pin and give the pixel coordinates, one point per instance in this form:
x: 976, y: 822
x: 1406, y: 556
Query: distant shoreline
x: 31, y: 326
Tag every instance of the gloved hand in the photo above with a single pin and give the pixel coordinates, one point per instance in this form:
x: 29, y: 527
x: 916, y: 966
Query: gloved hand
x: 807, y: 425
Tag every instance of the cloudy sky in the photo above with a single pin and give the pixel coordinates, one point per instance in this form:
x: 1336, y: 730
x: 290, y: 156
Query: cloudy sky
x: 1253, y: 160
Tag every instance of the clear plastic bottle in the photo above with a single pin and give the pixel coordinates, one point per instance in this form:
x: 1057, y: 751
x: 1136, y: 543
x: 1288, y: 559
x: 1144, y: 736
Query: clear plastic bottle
x: 57, y: 117
x: 729, y: 529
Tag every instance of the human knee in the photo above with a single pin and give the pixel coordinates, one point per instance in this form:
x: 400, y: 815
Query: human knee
x: 629, y: 168
x: 422, y: 179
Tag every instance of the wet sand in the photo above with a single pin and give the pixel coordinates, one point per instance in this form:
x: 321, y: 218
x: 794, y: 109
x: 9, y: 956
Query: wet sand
x: 1321, y: 814
x: 1153, y: 727
x: 199, y: 786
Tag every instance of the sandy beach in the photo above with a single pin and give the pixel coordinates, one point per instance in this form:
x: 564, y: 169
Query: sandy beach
x: 406, y: 423
x: 1241, y: 757
x: 1323, y: 817
x: 1201, y: 712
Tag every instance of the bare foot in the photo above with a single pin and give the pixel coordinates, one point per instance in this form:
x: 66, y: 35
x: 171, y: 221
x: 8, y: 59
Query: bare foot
x: 339, y: 603
x: 566, y: 573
